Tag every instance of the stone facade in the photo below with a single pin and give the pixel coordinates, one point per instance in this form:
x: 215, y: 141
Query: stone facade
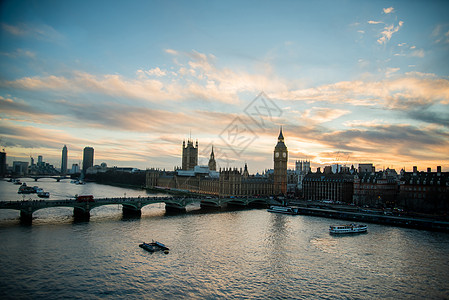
x: 424, y: 191
x: 379, y: 189
x: 189, y: 155
x: 335, y: 187
x: 230, y: 182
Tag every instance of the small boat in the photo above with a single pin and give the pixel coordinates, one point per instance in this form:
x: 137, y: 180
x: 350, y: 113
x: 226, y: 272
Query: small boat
x: 154, y: 246
x: 43, y: 194
x: 349, y: 228
x: 24, y: 189
x: 283, y: 209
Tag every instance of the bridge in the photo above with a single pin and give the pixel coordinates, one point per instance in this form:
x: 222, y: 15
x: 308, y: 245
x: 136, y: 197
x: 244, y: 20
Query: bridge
x: 130, y: 205
x: 37, y: 177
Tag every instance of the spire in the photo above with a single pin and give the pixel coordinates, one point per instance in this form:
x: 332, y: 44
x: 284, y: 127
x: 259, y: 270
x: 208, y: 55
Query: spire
x: 281, y: 136
x: 212, y: 163
x: 245, y: 171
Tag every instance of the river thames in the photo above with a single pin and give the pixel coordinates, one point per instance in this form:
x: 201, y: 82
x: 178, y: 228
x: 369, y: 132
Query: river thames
x: 226, y: 254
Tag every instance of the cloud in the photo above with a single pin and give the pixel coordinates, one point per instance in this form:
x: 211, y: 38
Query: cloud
x: 431, y: 117
x: 23, y: 136
x: 375, y: 22
x: 375, y: 141
x: 22, y: 111
x: 406, y: 93
x: 155, y: 72
x: 400, y: 141
x: 388, y: 32
x: 391, y: 71
x: 19, y: 53
x: 418, y: 53
x: 441, y: 34
x: 22, y: 141
x: 388, y: 10
x: 112, y: 85
x: 171, y: 51
x: 14, y: 30
x: 157, y: 106
x: 322, y: 114
x: 197, y: 78
x: 37, y: 31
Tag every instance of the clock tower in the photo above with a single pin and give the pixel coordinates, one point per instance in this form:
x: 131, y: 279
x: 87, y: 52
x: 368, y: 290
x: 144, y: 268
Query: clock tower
x: 280, y: 166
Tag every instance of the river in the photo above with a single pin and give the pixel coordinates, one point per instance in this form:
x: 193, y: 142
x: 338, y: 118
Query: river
x: 226, y: 254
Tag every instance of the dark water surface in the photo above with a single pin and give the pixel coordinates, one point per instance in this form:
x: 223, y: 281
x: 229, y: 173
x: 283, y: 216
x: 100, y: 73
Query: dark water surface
x: 246, y: 254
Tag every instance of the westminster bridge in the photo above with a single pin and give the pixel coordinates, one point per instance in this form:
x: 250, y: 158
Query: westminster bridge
x: 130, y: 205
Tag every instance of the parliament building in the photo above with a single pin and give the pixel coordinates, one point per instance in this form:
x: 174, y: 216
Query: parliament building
x: 227, y: 182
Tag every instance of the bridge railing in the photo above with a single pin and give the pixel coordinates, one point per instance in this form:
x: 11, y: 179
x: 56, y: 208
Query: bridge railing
x: 121, y: 200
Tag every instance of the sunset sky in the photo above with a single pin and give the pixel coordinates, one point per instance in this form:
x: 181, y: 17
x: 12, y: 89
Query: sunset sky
x: 350, y: 81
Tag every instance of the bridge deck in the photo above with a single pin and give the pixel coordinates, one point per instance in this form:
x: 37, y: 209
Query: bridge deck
x: 135, y: 202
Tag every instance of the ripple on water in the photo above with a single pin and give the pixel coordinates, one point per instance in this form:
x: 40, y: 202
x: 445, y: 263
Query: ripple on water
x: 247, y: 254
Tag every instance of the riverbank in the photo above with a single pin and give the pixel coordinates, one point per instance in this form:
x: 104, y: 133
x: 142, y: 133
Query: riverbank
x: 401, y: 221
x: 122, y: 185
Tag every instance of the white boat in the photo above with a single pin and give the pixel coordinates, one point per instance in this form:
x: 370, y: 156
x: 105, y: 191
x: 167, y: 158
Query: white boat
x: 349, y: 228
x: 283, y: 209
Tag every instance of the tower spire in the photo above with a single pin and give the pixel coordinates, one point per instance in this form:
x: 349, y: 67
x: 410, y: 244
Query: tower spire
x: 212, y: 163
x: 281, y: 136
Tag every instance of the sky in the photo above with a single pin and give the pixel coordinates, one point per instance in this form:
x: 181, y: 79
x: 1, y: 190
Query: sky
x: 349, y: 81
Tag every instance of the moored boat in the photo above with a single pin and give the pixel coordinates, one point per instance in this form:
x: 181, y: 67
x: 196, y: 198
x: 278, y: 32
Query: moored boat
x: 154, y: 246
x: 24, y: 189
x: 43, y: 194
x: 283, y: 209
x: 348, y: 228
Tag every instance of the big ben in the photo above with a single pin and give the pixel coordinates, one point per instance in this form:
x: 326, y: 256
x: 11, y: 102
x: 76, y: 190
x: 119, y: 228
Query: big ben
x: 280, y: 166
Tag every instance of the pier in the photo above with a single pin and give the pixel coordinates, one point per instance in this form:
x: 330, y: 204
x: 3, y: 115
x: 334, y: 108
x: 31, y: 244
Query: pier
x: 372, y: 217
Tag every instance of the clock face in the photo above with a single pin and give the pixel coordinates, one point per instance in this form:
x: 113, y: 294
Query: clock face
x: 277, y: 154
x: 284, y: 155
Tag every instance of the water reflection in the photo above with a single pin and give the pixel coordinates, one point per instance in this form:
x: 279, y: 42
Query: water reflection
x: 224, y: 254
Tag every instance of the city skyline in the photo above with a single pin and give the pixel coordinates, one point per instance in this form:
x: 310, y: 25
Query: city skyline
x: 359, y: 82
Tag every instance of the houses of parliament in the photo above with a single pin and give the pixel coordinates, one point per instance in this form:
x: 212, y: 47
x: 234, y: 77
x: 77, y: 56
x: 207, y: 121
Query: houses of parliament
x: 226, y: 182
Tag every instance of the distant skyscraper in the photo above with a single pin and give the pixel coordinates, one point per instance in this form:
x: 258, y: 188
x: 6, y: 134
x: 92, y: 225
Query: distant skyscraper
x: 39, y: 160
x: 88, y: 158
x: 2, y: 164
x: 64, y: 160
x: 20, y: 167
